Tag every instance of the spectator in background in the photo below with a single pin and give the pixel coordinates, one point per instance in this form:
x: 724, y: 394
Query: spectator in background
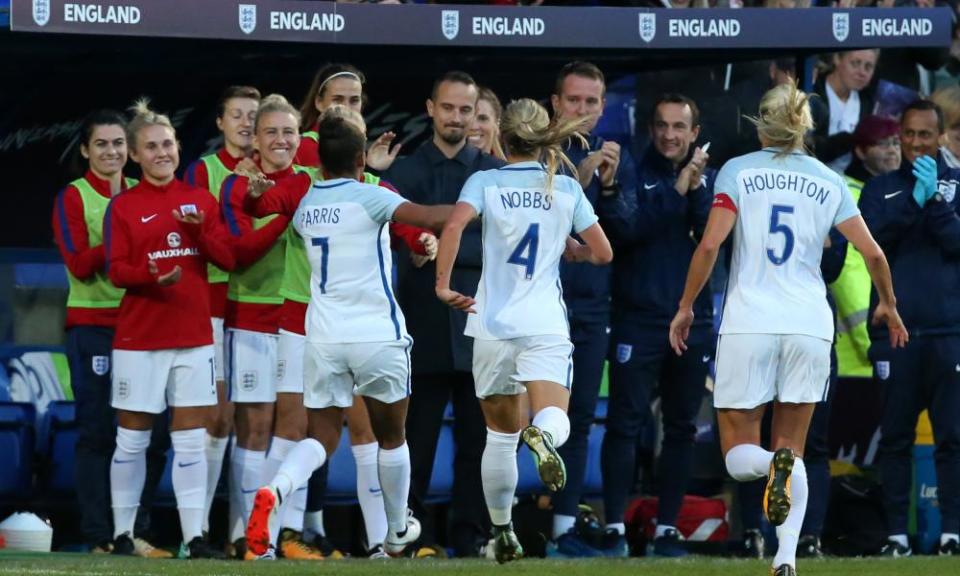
x: 604, y: 171
x: 912, y: 212
x: 844, y: 99
x: 876, y: 152
x: 913, y: 67
x: 748, y: 93
x: 93, y: 305
x: 648, y: 280
x: 485, y: 132
x: 443, y: 355
x: 949, y: 101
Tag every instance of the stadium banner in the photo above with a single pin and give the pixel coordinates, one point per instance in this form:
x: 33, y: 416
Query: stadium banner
x: 496, y: 26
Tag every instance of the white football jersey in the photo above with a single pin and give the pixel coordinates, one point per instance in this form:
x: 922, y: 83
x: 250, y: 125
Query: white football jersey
x: 786, y: 207
x: 345, y: 227
x: 524, y: 236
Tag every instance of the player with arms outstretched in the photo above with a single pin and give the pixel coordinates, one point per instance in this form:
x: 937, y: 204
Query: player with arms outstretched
x: 519, y: 325
x: 777, y: 328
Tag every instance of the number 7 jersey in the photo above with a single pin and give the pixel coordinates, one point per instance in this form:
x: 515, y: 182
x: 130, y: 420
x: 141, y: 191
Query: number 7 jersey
x: 524, y: 235
x: 785, y: 209
x: 344, y: 225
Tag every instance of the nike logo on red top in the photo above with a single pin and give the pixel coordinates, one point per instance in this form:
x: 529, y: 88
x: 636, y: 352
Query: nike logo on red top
x: 145, y: 219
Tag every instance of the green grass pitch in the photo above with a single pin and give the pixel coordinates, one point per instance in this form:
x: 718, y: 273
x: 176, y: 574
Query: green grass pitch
x: 17, y: 564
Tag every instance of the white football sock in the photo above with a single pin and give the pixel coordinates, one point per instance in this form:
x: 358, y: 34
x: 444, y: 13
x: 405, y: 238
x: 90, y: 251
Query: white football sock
x: 562, y: 524
x: 900, y: 539
x: 294, y: 508
x: 618, y: 527
x: 279, y: 449
x: 554, y: 422
x: 788, y: 533
x: 190, y: 479
x: 746, y: 462
x: 128, y: 472
x: 498, y: 471
x: 369, y: 493
x: 215, y: 450
x: 947, y: 537
x: 245, y: 476
x: 394, y: 471
x: 298, y: 466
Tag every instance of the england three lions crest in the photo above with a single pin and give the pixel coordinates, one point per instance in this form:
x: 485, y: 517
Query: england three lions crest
x: 841, y: 26
x: 41, y: 12
x: 247, y: 14
x: 648, y: 26
x: 450, y: 23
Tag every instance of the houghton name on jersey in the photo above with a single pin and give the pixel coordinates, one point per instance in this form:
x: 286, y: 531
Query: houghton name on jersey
x: 344, y: 225
x: 786, y: 207
x: 524, y: 236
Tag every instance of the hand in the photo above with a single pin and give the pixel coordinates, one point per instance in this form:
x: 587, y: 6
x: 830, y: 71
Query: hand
x: 925, y: 171
x: 419, y: 260
x: 680, y: 330
x: 889, y: 315
x: 258, y: 185
x: 456, y: 300
x: 168, y: 279
x: 429, y: 242
x: 588, y: 168
x: 247, y: 167
x: 610, y: 153
x: 192, y: 219
x: 380, y: 155
x: 690, y: 175
x: 574, y: 250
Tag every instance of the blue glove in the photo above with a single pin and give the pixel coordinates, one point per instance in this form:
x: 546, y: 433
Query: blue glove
x: 925, y: 171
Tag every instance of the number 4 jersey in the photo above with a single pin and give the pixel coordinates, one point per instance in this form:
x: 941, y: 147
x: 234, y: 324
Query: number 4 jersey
x: 524, y: 235
x: 785, y: 209
x: 345, y: 227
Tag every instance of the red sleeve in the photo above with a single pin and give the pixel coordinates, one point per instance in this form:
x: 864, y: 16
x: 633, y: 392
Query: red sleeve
x: 405, y: 233
x: 307, y: 154
x: 280, y: 199
x: 248, y: 244
x: 721, y: 200
x: 122, y: 268
x: 70, y: 230
x: 215, y: 243
x: 196, y: 175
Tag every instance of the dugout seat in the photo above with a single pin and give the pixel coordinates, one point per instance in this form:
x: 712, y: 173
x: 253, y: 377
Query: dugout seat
x: 62, y: 436
x: 16, y: 449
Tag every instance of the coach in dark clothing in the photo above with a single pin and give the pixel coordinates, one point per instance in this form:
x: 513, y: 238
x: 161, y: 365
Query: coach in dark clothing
x: 913, y: 214
x: 604, y: 171
x: 649, y: 274
x: 442, y: 355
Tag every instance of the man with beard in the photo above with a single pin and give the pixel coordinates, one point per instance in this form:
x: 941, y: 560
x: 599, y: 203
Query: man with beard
x: 443, y: 356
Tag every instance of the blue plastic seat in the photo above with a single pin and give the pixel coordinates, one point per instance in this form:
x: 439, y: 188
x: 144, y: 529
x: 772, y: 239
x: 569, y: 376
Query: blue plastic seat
x: 342, y: 478
x: 441, y: 478
x: 16, y: 449
x: 61, y: 419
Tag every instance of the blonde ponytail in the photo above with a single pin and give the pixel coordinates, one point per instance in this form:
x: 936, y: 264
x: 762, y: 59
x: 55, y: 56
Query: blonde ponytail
x: 348, y: 114
x: 784, y: 118
x: 528, y: 131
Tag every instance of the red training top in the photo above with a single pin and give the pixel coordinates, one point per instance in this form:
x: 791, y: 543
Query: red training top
x: 250, y: 245
x: 308, y: 153
x: 196, y: 175
x: 140, y: 228
x: 83, y: 260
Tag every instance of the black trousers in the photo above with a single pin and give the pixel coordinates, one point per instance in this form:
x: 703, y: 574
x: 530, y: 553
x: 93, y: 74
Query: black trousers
x: 430, y: 394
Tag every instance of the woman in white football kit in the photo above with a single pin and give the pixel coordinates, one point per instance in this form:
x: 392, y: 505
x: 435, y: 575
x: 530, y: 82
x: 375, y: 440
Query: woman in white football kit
x: 356, y: 338
x: 777, y: 328
x: 518, y: 320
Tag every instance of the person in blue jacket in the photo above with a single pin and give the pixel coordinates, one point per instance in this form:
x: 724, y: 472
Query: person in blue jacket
x: 605, y: 171
x: 654, y: 251
x: 913, y: 214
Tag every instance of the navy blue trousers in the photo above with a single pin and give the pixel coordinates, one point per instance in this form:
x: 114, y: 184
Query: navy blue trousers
x: 642, y: 362
x: 924, y: 375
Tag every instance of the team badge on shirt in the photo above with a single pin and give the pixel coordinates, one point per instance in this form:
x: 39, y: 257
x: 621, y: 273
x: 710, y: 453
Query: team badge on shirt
x: 173, y: 240
x: 101, y: 365
x: 947, y: 189
x: 624, y: 351
x: 248, y: 381
x: 123, y: 389
x: 882, y: 369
